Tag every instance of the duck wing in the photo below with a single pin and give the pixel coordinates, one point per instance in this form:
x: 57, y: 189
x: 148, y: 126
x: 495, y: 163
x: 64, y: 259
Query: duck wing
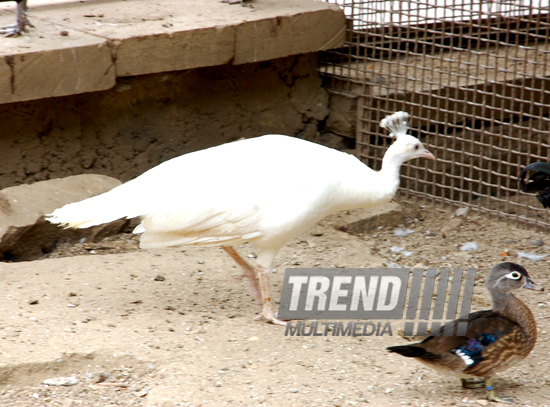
x: 489, y: 346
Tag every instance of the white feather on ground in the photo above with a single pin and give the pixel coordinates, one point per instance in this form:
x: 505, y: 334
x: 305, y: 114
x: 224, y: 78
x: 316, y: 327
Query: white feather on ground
x: 266, y: 190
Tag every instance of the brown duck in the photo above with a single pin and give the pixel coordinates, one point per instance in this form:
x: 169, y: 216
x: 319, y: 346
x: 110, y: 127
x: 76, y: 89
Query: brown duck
x: 495, y: 340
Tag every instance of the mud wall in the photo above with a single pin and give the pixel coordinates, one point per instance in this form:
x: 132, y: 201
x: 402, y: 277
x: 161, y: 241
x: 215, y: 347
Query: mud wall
x: 148, y: 119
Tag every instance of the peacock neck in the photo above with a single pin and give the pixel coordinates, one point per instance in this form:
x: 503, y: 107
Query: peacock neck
x: 391, y: 166
x: 365, y: 188
x: 392, y: 162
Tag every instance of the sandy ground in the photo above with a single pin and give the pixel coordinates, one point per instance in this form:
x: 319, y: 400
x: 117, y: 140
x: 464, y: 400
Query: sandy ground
x: 175, y: 327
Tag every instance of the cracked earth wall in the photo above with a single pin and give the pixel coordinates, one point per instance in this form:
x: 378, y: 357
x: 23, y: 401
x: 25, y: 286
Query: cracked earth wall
x: 146, y: 120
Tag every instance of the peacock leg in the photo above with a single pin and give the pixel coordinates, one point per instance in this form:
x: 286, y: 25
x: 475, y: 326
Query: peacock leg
x: 267, y: 310
x: 248, y: 272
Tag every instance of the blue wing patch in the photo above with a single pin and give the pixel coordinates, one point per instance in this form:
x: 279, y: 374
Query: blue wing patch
x: 470, y: 353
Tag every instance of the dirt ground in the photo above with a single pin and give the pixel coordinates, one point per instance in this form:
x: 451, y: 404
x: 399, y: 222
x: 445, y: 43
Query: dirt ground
x: 175, y: 327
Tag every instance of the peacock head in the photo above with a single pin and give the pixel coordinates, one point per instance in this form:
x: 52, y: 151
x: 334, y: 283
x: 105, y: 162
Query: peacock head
x: 405, y: 147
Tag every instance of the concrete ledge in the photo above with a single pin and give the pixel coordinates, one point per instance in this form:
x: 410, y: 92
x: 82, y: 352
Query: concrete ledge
x: 40, y: 68
x: 83, y: 46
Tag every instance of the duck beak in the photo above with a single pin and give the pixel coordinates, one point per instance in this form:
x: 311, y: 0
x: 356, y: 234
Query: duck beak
x: 429, y: 155
x: 530, y: 285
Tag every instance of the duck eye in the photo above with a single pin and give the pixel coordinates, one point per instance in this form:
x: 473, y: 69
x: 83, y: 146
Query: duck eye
x: 514, y: 275
x: 416, y: 146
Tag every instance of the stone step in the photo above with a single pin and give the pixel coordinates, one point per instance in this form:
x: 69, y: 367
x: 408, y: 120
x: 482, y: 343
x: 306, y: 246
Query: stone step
x: 79, y: 47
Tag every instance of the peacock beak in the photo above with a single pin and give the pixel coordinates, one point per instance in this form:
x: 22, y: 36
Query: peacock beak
x: 530, y: 285
x: 429, y: 155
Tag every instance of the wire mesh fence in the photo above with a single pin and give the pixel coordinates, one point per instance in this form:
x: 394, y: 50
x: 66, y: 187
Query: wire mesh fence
x: 474, y: 75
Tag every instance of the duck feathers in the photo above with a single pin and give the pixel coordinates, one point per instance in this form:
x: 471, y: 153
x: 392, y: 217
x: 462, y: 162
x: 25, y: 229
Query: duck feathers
x: 482, y: 352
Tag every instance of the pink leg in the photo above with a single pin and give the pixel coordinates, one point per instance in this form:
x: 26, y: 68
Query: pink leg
x: 248, y: 271
x: 267, y: 310
x: 255, y: 288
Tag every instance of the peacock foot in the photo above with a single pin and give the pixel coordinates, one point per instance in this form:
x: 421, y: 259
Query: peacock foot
x: 269, y: 316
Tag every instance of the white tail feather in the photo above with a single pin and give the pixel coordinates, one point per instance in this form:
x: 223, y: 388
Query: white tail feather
x: 396, y: 123
x: 104, y: 208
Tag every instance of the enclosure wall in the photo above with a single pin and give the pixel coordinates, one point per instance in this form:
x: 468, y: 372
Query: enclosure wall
x: 148, y: 119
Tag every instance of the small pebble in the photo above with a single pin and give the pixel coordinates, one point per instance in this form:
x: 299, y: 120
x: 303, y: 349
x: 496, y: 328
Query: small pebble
x: 61, y: 381
x: 537, y: 242
x: 469, y: 246
x: 400, y: 232
x: 143, y: 392
x: 102, y: 376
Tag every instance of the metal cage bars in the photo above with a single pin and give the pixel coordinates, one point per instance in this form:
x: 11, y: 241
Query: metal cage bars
x: 475, y: 78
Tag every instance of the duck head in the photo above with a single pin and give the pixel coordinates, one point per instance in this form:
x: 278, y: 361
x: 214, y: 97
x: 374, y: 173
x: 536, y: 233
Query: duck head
x: 506, y: 277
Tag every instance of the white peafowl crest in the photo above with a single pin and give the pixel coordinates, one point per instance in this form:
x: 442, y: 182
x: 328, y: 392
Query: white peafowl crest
x: 396, y: 123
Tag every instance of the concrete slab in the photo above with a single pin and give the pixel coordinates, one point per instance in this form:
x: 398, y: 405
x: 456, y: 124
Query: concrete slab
x: 50, y: 64
x: 70, y: 49
x: 281, y: 28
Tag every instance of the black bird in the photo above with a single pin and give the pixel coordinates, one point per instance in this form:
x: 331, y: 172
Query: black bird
x: 495, y: 340
x: 538, y: 182
x: 21, y: 21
